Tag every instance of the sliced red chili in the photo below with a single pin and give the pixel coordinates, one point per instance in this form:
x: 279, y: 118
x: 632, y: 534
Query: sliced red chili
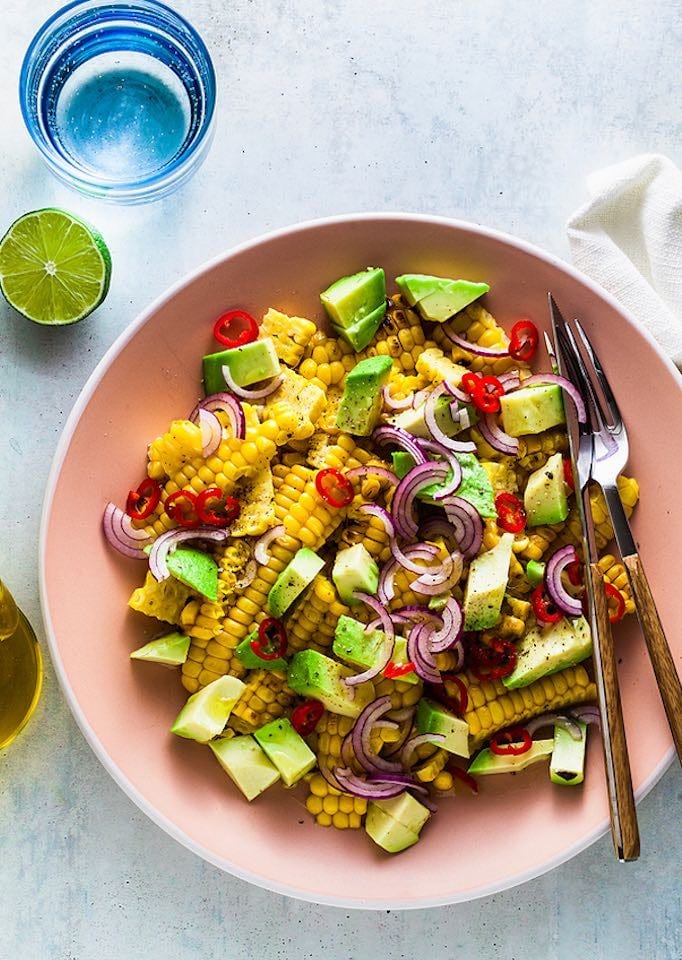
x: 506, y: 742
x: 271, y: 642
x: 214, y: 508
x: 306, y: 716
x: 470, y: 382
x: 141, y: 503
x: 492, y: 660
x: 395, y: 670
x: 613, y: 593
x: 568, y: 473
x: 545, y: 611
x: 574, y: 572
x: 486, y: 393
x: 181, y: 506
x: 235, y: 328
x: 524, y: 340
x: 334, y: 487
x: 459, y: 703
x: 511, y: 514
x: 462, y: 775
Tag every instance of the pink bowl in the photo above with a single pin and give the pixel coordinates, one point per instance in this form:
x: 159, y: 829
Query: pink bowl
x: 518, y: 826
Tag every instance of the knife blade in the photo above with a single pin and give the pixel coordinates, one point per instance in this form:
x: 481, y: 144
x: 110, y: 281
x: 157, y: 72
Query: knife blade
x: 623, y: 817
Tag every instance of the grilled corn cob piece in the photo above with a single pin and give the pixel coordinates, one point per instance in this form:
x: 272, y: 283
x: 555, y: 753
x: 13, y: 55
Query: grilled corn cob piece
x: 492, y: 707
x: 400, y: 336
x: 290, y: 335
x: 540, y: 539
x: 329, y: 806
x: 163, y: 599
x: 436, y: 367
x: 326, y: 360
x: 265, y: 698
x: 480, y: 328
x: 614, y: 573
x: 340, y: 452
x: 313, y: 621
x: 295, y: 406
x: 534, y: 451
x: 628, y: 489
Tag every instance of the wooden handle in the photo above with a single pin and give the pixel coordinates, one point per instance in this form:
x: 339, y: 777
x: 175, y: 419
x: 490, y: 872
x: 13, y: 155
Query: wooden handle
x: 659, y: 651
x: 624, y: 827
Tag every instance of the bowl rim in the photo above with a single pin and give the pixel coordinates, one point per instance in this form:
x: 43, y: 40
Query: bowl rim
x: 62, y: 448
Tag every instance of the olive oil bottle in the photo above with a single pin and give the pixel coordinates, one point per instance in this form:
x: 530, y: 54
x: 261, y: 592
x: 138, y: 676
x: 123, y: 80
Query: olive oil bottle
x: 21, y: 668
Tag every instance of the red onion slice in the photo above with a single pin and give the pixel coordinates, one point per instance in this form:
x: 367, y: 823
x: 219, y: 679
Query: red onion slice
x: 408, y: 750
x: 569, y: 387
x: 493, y: 434
x: 468, y: 525
x: 373, y: 471
x: 261, y: 550
x: 452, y: 629
x: 461, y: 446
x: 167, y: 542
x: 376, y: 511
x: 383, y: 658
x: 375, y: 789
x: 589, y: 714
x: 361, y: 735
x: 248, y: 576
x: 380, y: 611
x: 401, y: 438
x: 556, y: 564
x: 432, y: 446
x: 230, y: 405
x: 510, y: 380
x: 420, y: 551
x: 247, y: 394
x: 211, y: 432
x: 394, y: 404
x: 430, y: 584
x: 472, y: 348
x: 457, y: 392
x: 423, y: 475
x: 121, y: 534
x: 418, y: 652
x: 551, y: 720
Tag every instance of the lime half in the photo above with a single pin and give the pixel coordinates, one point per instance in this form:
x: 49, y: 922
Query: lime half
x: 54, y: 269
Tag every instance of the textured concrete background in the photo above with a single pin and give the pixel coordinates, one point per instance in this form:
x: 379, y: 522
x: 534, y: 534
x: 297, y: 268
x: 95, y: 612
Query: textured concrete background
x: 489, y: 111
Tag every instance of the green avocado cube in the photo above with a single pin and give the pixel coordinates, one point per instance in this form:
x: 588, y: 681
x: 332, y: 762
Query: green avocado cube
x: 486, y: 585
x: 286, y: 749
x: 438, y: 298
x: 170, y: 650
x: 567, y: 766
x: 244, y: 651
x: 360, y: 334
x: 312, y: 674
x: 207, y: 711
x: 293, y: 580
x: 354, y: 645
x: 195, y: 569
x: 545, y: 498
x: 249, y: 364
x: 246, y: 764
x: 395, y: 824
x: 433, y: 717
x: 355, y: 569
x: 487, y: 762
x: 535, y: 572
x: 544, y: 650
x: 362, y: 399
x: 350, y: 299
x: 532, y: 409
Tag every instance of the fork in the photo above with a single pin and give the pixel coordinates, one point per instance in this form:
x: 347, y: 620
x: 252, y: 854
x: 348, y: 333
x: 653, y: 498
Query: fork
x: 610, y: 457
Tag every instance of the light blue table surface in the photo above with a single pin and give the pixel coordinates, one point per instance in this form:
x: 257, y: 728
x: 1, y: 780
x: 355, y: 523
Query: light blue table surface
x: 489, y: 111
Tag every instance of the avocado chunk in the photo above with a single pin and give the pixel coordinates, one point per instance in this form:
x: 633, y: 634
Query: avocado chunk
x: 413, y: 419
x: 170, y: 650
x: 252, y: 661
x: 535, y: 572
x: 249, y: 364
x: 532, y: 409
x: 246, y: 764
x: 286, y: 749
x: 433, y: 717
x: 312, y: 674
x: 544, y: 650
x: 293, y: 580
x: 355, y: 569
x: 545, y: 497
x: 395, y: 824
x: 207, y: 711
x: 360, y: 334
x: 567, y: 766
x: 354, y: 645
x: 438, y: 298
x: 361, y: 401
x: 195, y: 569
x: 486, y: 585
x: 351, y: 299
x: 488, y: 762
x: 475, y: 485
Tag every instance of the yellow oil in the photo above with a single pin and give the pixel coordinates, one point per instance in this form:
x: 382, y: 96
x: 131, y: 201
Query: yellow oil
x: 21, y: 668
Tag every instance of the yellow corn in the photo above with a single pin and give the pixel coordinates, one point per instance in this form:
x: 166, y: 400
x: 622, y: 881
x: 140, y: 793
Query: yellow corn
x: 534, y: 451
x: 614, y: 573
x: 326, y: 360
x: 162, y: 599
x: 290, y: 335
x: 265, y: 698
x: 492, y: 707
x: 367, y: 530
x: 540, y: 540
x: 400, y: 384
x: 400, y: 337
x: 256, y: 496
x: 628, y: 489
x: 436, y: 367
x: 309, y: 518
x: 340, y: 452
x: 402, y: 694
x: 313, y: 621
x: 329, y: 806
x: 480, y: 328
x: 295, y: 406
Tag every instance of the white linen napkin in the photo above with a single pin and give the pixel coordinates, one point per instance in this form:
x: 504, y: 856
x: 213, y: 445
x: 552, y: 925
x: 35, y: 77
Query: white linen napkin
x: 628, y: 238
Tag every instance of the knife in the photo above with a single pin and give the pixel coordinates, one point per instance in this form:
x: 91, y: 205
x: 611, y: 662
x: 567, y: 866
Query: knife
x: 624, y: 829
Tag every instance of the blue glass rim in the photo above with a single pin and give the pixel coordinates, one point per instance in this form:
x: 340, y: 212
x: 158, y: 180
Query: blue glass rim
x: 55, y: 34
